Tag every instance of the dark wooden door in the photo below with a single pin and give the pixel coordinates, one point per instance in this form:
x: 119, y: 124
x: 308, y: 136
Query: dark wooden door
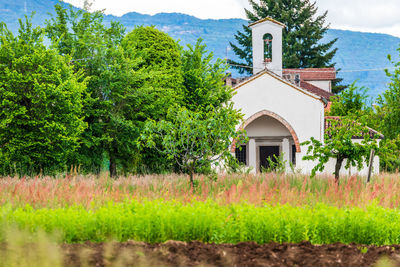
x: 268, y: 152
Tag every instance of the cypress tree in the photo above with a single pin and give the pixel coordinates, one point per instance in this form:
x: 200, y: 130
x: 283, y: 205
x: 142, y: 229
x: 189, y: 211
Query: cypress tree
x: 302, y: 46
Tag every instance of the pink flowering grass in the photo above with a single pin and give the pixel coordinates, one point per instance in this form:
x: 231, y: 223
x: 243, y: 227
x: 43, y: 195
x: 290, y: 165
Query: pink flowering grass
x: 297, y: 190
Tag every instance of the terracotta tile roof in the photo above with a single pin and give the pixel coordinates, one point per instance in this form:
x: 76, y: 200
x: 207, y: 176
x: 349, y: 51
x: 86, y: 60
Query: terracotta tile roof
x: 267, y: 19
x: 315, y: 90
x: 302, y: 85
x: 372, y: 132
x: 313, y: 74
x: 246, y: 80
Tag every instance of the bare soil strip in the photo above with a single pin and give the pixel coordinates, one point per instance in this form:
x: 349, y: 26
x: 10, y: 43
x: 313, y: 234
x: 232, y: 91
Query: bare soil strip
x: 175, y: 253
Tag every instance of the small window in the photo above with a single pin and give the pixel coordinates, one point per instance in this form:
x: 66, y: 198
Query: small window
x: 294, y: 154
x: 240, y: 153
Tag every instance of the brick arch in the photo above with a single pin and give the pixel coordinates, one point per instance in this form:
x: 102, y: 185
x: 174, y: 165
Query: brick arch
x: 278, y: 118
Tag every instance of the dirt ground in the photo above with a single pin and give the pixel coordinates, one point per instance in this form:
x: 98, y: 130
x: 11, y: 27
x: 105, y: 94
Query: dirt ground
x: 174, y: 253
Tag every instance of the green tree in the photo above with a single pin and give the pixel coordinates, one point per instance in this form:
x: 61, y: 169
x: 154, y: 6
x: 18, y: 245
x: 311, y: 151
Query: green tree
x: 386, y: 118
x: 198, y: 132
x: 161, y: 85
x: 351, y: 101
x: 160, y: 56
x: 41, y: 102
x: 131, y: 78
x: 388, y: 108
x: 339, y: 144
x: 203, y: 80
x: 192, y: 140
x: 92, y: 47
x: 124, y: 99
x: 302, y: 36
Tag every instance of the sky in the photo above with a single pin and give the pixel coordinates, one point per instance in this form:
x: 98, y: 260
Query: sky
x: 358, y: 15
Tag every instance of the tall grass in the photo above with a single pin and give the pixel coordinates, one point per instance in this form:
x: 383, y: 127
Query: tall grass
x: 159, y: 221
x: 231, y: 209
x: 272, y: 189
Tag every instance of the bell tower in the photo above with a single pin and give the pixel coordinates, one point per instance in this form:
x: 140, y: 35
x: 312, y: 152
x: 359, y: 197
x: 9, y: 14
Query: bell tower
x: 267, y: 45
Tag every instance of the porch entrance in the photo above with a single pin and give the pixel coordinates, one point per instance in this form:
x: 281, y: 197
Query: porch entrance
x: 268, y: 152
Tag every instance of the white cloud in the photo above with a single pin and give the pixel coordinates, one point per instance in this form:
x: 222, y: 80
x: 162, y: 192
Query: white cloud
x: 363, y: 15
x: 360, y: 15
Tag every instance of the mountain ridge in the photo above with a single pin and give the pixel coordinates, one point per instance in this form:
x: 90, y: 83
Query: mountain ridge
x: 356, y: 50
x: 173, y: 14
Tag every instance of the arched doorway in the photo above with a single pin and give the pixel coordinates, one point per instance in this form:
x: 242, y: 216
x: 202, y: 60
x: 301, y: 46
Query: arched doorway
x: 269, y: 135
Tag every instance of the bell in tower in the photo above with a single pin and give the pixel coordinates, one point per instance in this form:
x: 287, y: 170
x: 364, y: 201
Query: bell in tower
x: 267, y: 48
x: 267, y: 45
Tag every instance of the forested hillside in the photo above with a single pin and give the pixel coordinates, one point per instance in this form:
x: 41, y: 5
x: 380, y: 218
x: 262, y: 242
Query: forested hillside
x: 357, y: 51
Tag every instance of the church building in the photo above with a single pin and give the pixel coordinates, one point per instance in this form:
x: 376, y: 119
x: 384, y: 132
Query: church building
x: 282, y: 107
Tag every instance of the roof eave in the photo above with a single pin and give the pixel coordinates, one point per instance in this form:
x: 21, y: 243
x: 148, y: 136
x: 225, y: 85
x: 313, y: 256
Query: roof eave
x: 267, y: 19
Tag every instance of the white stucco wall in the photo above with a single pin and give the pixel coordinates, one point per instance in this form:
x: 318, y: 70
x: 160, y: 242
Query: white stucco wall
x: 304, y: 112
x: 326, y: 85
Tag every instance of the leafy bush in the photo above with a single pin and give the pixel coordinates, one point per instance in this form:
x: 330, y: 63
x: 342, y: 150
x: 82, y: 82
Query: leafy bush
x: 41, y: 104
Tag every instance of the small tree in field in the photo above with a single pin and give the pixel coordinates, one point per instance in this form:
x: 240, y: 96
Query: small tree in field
x: 192, y: 139
x: 339, y: 144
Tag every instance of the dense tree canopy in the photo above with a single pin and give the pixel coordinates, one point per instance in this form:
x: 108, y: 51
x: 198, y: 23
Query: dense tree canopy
x: 159, y: 63
x: 91, y: 45
x: 200, y: 130
x: 41, y: 107
x: 159, y: 53
x: 386, y: 118
x: 159, y: 71
x: 132, y: 79
x: 389, y: 105
x: 203, y: 80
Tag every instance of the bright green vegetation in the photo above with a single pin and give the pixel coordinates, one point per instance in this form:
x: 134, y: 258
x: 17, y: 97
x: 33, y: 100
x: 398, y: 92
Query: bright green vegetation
x: 41, y: 103
x: 159, y: 221
x: 106, y: 84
